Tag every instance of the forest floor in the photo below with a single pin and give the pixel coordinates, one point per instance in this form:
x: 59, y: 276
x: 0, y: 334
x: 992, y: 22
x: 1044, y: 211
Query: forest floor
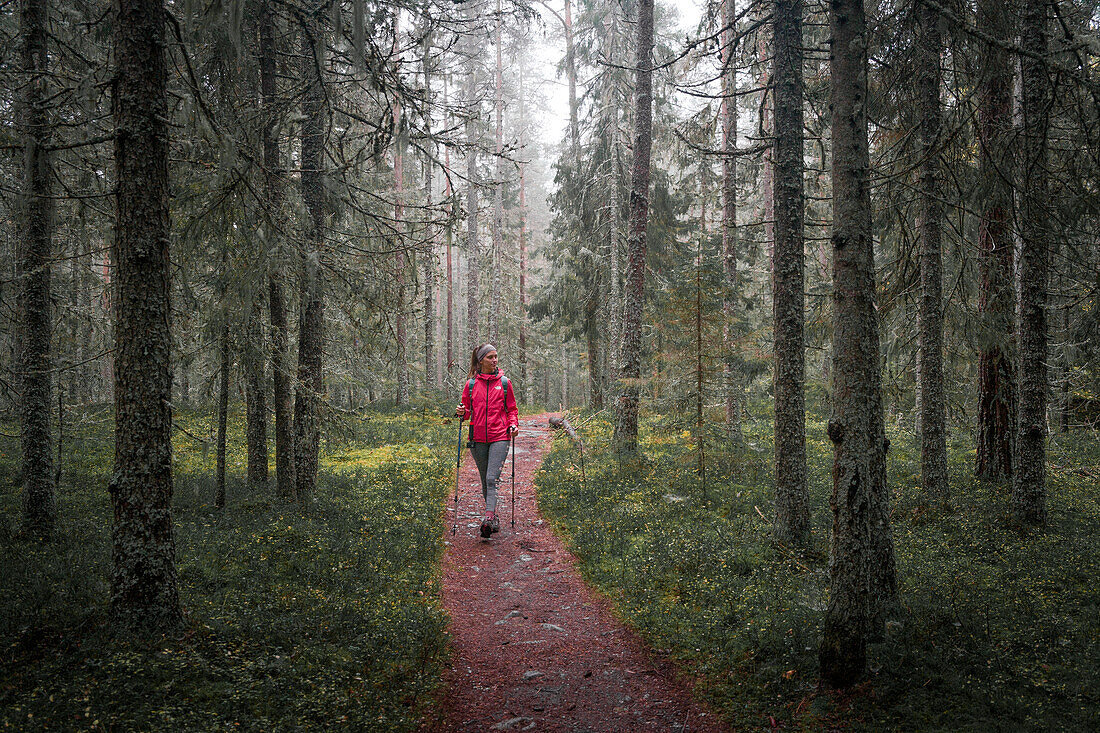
x: 533, y: 647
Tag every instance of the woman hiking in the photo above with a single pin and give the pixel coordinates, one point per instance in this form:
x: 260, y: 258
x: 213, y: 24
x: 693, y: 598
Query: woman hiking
x: 490, y: 404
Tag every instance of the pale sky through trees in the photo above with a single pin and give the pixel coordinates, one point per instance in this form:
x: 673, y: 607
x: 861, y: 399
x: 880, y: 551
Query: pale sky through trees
x: 552, y: 99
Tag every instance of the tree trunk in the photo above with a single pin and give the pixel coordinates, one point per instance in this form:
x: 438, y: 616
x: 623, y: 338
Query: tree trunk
x: 730, y: 378
x: 448, y: 194
x: 33, y: 365
x: 792, y: 511
x: 524, y: 379
x: 472, y: 335
x: 400, y: 362
x: 311, y: 322
x: 498, y: 192
x: 996, y: 297
x: 256, y: 401
x: 1029, y: 476
x: 280, y: 331
x: 933, y: 432
x: 431, y: 235
x: 861, y: 566
x: 626, y: 423
x: 144, y: 589
x: 223, y: 410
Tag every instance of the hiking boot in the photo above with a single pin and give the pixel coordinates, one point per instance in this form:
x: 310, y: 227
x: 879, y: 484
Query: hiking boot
x: 487, y: 526
x: 494, y: 522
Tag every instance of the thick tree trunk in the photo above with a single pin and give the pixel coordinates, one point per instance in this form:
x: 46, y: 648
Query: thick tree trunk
x: 626, y: 422
x: 307, y: 398
x: 144, y: 588
x: 792, y: 510
x: 1029, y: 476
x: 731, y: 383
x: 933, y: 431
x: 33, y: 365
x: 280, y: 331
x: 861, y: 565
x: 996, y: 298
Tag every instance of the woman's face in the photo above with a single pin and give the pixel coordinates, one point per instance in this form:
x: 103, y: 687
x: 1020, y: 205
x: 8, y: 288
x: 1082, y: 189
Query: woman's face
x: 489, y: 363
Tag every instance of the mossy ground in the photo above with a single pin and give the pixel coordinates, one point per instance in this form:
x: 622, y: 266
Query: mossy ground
x: 297, y: 618
x: 998, y: 629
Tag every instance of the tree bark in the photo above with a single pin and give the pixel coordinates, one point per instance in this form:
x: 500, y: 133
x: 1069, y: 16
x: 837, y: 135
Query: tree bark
x: 996, y: 297
x: 400, y: 264
x: 933, y: 430
x: 33, y: 365
x: 792, y: 512
x: 256, y: 401
x: 523, y: 358
x: 280, y: 331
x: 144, y: 588
x: 223, y: 409
x: 1029, y: 476
x: 731, y: 383
x: 431, y: 235
x: 861, y: 564
x: 626, y: 422
x: 498, y: 190
x: 472, y: 335
x: 307, y: 398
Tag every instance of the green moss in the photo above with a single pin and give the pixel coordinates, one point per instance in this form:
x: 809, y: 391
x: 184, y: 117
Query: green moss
x: 997, y: 629
x: 298, y: 618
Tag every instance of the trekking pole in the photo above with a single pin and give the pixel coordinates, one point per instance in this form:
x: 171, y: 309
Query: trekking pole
x: 458, y: 466
x: 514, y: 481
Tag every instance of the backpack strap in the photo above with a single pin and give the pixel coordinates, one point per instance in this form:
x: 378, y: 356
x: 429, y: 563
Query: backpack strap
x: 504, y: 384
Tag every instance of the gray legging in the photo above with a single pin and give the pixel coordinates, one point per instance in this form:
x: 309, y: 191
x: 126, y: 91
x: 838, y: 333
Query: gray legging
x: 489, y: 458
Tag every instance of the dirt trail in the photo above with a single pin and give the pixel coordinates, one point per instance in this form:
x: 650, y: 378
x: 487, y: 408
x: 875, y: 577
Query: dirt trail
x: 533, y: 647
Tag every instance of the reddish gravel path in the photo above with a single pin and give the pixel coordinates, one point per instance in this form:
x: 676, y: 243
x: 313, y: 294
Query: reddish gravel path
x: 533, y: 647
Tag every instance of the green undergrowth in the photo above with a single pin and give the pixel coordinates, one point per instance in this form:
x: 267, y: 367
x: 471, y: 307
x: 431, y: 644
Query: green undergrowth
x: 297, y: 618
x: 998, y: 629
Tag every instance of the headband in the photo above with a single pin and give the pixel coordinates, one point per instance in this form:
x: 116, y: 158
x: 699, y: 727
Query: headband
x: 485, y: 350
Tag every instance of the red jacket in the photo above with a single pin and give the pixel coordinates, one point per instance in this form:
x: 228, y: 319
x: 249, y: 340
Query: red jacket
x: 501, y: 412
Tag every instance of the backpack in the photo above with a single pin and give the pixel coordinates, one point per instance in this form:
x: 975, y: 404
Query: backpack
x: 503, y: 384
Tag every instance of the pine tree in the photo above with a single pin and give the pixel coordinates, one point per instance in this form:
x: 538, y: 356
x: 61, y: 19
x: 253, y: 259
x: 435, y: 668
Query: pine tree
x: 861, y: 568
x: 144, y: 588
x: 36, y: 230
x: 792, y: 518
x: 626, y: 418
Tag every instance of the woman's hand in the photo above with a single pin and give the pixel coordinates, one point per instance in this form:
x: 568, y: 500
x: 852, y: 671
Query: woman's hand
x: 513, y: 429
x: 460, y: 411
